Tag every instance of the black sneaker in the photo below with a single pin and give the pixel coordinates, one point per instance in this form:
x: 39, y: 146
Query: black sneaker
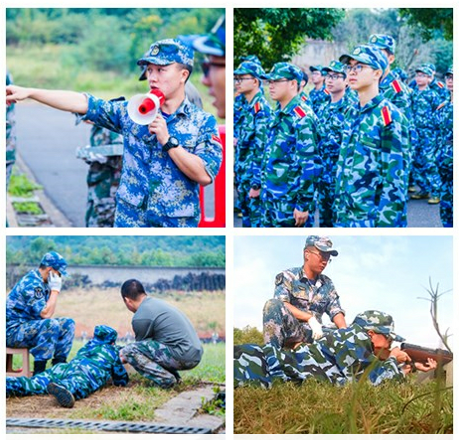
x: 63, y: 396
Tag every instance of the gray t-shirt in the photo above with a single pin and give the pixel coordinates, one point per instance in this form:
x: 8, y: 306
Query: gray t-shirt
x: 156, y: 319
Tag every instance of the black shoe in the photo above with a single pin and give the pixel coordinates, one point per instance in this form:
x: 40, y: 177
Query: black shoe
x: 39, y: 367
x: 63, y: 396
x: 59, y: 360
x: 177, y: 376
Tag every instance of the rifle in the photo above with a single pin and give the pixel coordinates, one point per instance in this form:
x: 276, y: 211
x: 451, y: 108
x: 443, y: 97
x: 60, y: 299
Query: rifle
x: 420, y: 354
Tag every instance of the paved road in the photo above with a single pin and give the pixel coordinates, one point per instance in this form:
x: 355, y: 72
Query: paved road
x: 47, y: 140
x: 420, y: 215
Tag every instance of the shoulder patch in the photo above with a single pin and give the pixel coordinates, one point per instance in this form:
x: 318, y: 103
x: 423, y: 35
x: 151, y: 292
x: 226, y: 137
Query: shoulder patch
x: 38, y: 292
x: 304, y: 97
x: 257, y: 107
x: 215, y: 138
x: 326, y: 91
x: 396, y: 86
x: 441, y: 85
x: 386, y: 115
x: 299, y: 111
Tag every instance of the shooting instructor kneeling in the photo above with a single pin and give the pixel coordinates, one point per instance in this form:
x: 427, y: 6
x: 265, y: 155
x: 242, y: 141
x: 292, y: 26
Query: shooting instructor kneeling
x: 165, y: 161
x: 166, y: 341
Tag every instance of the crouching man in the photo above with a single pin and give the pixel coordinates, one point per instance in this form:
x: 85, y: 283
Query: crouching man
x: 166, y: 341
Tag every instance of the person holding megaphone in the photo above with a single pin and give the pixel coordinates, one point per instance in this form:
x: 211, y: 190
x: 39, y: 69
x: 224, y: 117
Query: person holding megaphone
x: 170, y: 145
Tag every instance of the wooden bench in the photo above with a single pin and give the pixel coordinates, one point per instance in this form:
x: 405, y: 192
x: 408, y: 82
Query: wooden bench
x: 25, y: 371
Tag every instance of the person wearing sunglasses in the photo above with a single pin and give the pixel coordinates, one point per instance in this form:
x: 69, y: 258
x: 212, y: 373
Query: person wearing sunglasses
x: 301, y: 296
x: 164, y: 162
x: 425, y: 171
x: 444, y: 158
x: 331, y: 121
x: 291, y: 162
x: 373, y: 164
x: 250, y: 133
x: 30, y: 307
x: 362, y: 350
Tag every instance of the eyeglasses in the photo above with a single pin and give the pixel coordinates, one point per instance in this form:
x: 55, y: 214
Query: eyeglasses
x: 239, y: 80
x: 421, y: 75
x: 277, y: 81
x: 323, y: 257
x: 206, y: 65
x: 334, y: 76
x: 356, y: 67
x: 448, y: 77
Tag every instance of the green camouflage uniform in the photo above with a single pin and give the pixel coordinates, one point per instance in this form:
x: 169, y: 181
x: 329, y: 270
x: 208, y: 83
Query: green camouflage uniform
x: 341, y: 356
x: 103, y: 180
x: 444, y: 122
x: 10, y: 135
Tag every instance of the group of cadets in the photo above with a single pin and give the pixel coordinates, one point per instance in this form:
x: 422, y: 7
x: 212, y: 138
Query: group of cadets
x: 355, y: 147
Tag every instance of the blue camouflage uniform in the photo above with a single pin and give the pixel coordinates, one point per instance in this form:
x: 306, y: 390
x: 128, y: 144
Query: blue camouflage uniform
x: 251, y: 134
x: 444, y: 123
x: 25, y: 328
x: 317, y: 296
x: 318, y: 98
x: 339, y: 357
x: 331, y: 121
x: 153, y: 192
x: 291, y: 163
x: 425, y: 171
x: 94, y: 366
x: 372, y: 171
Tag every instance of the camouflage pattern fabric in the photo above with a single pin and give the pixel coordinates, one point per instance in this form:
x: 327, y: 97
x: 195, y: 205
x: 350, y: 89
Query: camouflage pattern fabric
x: 318, y: 98
x: 444, y: 123
x: 10, y: 135
x: 291, y: 165
x: 331, y: 122
x: 153, y: 191
x: 252, y: 132
x: 92, y: 368
x: 340, y: 357
x: 439, y: 88
x: 313, y: 296
x: 26, y: 328
x: 168, y: 51
x: 103, y: 180
x: 425, y: 171
x: 372, y: 177
x: 156, y: 362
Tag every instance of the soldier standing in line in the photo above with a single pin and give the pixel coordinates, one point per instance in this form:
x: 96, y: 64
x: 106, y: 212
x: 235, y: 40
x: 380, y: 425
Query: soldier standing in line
x: 361, y: 350
x: 30, y: 307
x: 92, y: 367
x: 319, y: 94
x: 303, y: 95
x: 291, y: 163
x: 444, y: 122
x: 331, y: 121
x: 251, y: 134
x: 372, y: 173
x: 436, y: 85
x: 10, y: 135
x: 301, y: 296
x: 425, y: 102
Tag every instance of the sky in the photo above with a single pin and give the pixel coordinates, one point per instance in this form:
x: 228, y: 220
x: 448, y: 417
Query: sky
x: 386, y: 273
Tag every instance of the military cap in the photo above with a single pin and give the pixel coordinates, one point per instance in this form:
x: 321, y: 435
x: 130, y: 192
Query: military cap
x: 214, y: 42
x: 252, y: 58
x: 383, y: 42
x: 324, y: 244
x: 450, y: 70
x: 56, y: 261
x: 366, y: 54
x: 335, y: 66
x: 284, y: 70
x: 379, y: 322
x: 424, y: 68
x: 105, y: 334
x: 250, y: 68
x: 165, y: 52
x: 431, y: 66
x: 316, y: 68
x: 400, y: 73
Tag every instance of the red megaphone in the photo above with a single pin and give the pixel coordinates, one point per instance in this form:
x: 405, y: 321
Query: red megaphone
x: 142, y: 109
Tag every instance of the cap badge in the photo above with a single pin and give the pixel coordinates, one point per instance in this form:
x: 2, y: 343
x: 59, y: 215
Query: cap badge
x: 155, y: 50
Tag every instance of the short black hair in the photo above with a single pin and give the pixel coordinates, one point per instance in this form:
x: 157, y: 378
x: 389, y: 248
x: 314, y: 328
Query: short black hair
x: 186, y: 67
x: 132, y: 289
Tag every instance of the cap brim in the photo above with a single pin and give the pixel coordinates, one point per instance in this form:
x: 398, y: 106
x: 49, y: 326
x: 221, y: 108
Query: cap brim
x: 206, y: 46
x: 62, y: 272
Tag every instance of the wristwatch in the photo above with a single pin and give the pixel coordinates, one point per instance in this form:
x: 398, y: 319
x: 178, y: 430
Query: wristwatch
x: 171, y: 143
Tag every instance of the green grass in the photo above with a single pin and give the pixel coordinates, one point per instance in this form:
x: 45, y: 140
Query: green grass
x: 27, y: 208
x: 320, y: 408
x: 21, y: 186
x: 47, y: 67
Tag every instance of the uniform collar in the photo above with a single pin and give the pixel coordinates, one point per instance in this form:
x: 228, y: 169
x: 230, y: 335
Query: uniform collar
x: 387, y: 80
x: 291, y: 105
x: 373, y: 103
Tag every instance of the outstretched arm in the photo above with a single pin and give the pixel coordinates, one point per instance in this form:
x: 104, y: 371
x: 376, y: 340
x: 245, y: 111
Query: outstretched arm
x: 60, y: 99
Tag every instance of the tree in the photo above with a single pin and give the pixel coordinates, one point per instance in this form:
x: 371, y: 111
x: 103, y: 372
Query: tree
x: 429, y: 20
x: 276, y: 34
